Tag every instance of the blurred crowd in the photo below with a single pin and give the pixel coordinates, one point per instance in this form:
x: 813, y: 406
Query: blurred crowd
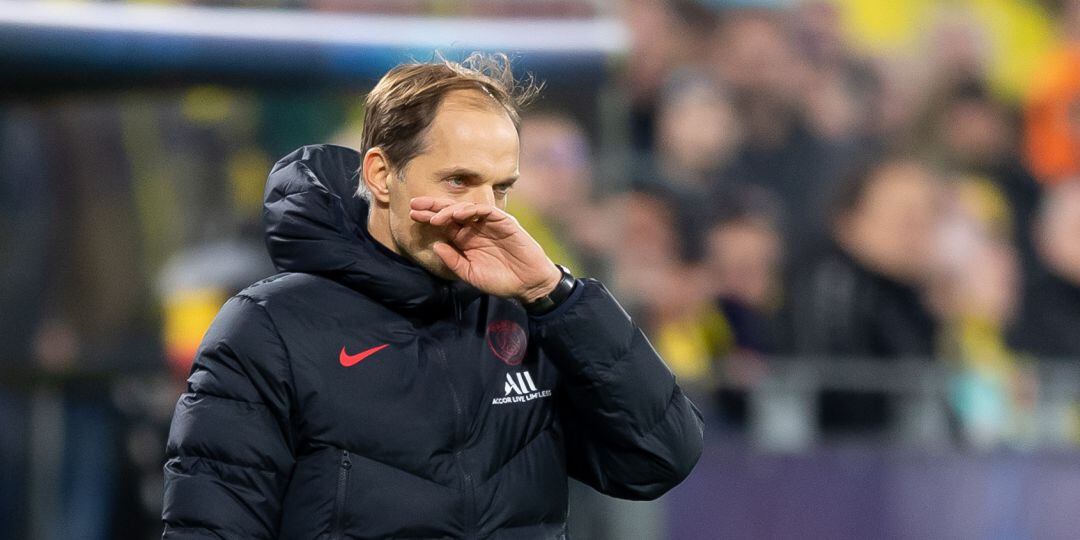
x: 795, y: 196
x: 807, y: 181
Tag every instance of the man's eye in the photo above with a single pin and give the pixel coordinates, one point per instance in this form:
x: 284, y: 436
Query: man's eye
x: 503, y: 189
x: 456, y: 181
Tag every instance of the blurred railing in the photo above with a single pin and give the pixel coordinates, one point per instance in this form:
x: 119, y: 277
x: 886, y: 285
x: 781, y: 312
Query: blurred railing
x: 782, y: 398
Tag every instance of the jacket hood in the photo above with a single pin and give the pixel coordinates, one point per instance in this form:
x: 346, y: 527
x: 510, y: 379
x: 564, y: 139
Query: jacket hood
x: 315, y: 223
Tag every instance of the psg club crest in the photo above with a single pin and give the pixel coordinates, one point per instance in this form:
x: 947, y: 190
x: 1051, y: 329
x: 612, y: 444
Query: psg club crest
x: 508, y: 341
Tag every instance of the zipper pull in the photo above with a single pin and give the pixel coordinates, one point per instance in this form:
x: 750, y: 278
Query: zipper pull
x: 345, y: 463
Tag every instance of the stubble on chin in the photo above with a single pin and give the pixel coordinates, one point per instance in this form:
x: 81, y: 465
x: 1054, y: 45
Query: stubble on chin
x: 428, y: 260
x: 422, y: 252
x: 425, y: 258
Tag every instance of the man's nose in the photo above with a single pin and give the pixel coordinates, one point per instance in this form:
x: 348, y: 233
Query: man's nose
x: 482, y: 195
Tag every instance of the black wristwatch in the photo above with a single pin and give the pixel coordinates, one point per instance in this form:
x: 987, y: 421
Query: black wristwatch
x: 556, y: 297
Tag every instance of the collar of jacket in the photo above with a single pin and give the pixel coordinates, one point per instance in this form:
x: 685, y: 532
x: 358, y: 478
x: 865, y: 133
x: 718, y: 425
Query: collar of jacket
x: 315, y: 223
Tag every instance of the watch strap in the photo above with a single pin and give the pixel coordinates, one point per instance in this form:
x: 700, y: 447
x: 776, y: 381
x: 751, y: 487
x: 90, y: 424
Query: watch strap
x: 556, y: 297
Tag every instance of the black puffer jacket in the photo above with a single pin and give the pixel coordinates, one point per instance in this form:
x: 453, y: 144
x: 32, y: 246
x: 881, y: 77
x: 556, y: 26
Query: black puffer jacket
x: 357, y: 396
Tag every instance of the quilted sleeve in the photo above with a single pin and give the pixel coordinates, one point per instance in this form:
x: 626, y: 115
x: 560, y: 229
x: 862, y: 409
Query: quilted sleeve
x: 229, y: 452
x: 630, y: 430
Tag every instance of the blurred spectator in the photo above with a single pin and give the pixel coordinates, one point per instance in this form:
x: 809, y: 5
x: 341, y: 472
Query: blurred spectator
x: 554, y: 199
x: 744, y: 262
x: 664, y: 292
x: 192, y: 286
x: 961, y: 48
x: 754, y: 54
x: 841, y: 94
x: 862, y: 297
x: 664, y: 36
x: 977, y: 295
x: 1050, y: 317
x: 644, y: 240
x: 743, y: 265
x: 697, y: 133
x: 900, y: 98
x: 973, y: 134
x: 697, y: 136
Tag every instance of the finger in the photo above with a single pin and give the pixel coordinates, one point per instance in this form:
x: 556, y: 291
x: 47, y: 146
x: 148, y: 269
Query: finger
x: 464, y: 235
x: 492, y: 212
x: 429, y: 203
x: 454, y: 260
x: 446, y: 215
x: 474, y: 213
x: 496, y: 222
x: 423, y: 216
x: 463, y: 212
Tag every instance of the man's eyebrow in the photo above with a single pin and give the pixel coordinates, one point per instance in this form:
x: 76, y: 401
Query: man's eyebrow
x: 469, y: 173
x: 456, y: 171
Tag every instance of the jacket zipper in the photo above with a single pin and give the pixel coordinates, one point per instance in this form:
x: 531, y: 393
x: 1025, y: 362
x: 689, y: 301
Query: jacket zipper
x: 458, y: 315
x: 466, y: 478
x: 339, y: 503
x: 470, y: 496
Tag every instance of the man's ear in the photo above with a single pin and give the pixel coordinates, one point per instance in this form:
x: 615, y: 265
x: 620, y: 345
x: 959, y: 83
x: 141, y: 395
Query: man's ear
x: 377, y: 175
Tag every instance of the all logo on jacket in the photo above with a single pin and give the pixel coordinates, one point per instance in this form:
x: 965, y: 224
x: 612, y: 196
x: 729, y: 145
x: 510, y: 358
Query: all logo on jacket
x: 520, y: 388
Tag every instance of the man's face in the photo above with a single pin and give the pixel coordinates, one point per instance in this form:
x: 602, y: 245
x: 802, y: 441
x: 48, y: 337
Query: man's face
x: 556, y: 160
x: 697, y: 129
x: 744, y: 260
x: 470, y: 154
x: 892, y: 228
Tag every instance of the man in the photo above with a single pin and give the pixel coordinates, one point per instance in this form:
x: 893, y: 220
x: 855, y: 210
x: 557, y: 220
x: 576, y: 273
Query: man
x: 862, y: 295
x: 421, y: 369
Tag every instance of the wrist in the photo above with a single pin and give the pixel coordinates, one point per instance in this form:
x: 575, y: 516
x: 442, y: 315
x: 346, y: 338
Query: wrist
x: 544, y: 288
x: 555, y: 295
